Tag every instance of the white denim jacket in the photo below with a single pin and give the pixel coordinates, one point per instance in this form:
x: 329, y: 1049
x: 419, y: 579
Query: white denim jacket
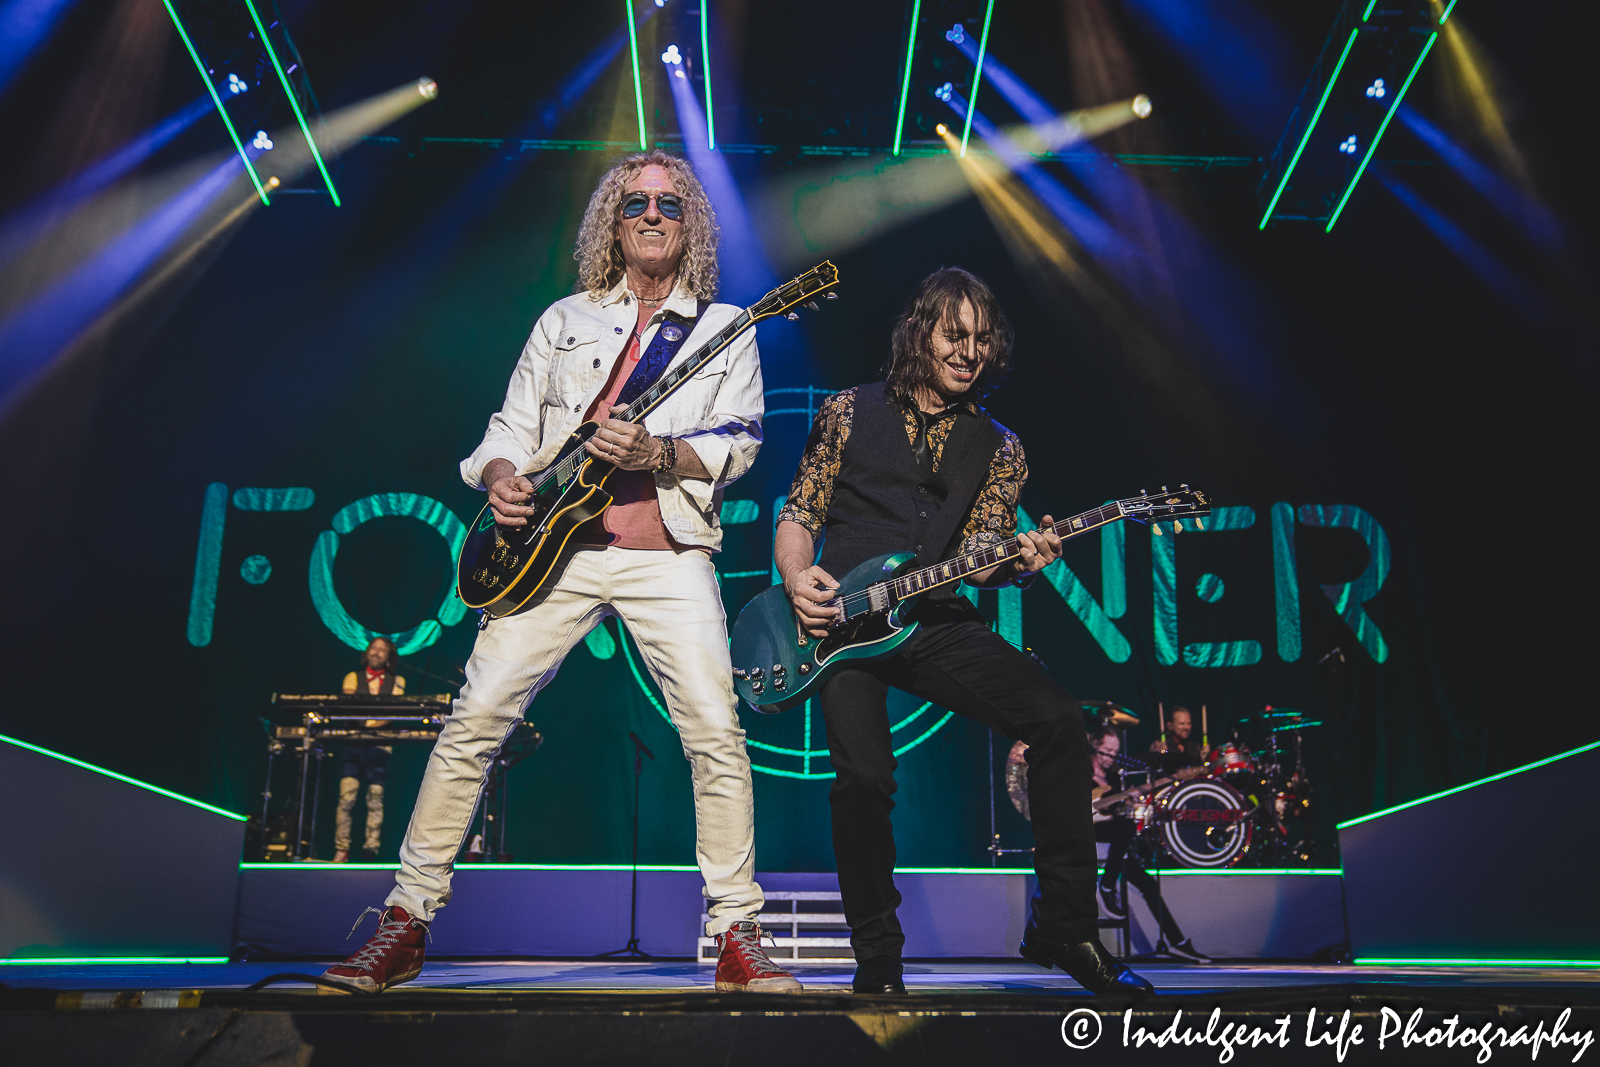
x: 565, y: 364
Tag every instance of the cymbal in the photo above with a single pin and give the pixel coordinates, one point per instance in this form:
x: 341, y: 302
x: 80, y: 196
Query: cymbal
x: 1113, y: 714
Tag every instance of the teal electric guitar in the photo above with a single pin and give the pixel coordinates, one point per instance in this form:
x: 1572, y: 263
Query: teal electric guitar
x: 778, y: 666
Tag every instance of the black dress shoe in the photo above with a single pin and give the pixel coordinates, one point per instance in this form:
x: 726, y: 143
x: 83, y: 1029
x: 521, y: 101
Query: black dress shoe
x: 1185, y: 950
x: 1087, y: 961
x: 878, y: 974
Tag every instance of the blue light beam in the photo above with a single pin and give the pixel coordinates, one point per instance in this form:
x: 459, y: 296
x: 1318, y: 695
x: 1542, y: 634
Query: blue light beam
x: 24, y: 26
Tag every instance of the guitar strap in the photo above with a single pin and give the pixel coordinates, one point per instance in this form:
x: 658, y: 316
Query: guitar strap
x: 673, y: 334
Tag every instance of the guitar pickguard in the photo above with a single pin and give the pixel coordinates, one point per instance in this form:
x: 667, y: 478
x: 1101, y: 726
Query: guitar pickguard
x: 858, y: 632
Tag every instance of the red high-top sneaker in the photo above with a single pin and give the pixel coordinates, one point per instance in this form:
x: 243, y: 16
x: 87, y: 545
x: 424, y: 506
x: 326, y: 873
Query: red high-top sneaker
x: 394, y: 954
x: 742, y: 964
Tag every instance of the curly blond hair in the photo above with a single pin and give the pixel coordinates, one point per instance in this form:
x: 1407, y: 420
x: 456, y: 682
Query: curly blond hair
x: 599, y: 253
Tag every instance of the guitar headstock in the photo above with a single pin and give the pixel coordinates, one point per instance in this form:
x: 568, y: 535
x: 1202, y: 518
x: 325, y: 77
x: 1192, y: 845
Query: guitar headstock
x: 1172, y: 506
x: 802, y: 290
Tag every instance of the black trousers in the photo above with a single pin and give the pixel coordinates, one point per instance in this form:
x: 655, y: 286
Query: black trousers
x: 1118, y: 833
x: 956, y: 662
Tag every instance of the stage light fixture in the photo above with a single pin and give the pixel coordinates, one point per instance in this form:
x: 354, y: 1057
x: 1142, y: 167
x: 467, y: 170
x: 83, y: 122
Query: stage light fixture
x: 262, y: 141
x: 661, y: 3
x: 1141, y: 106
x: 294, y: 103
x: 236, y: 85
x: 941, y: 129
x: 672, y: 56
x: 222, y: 112
x: 956, y: 34
x: 1348, y: 145
x: 944, y: 91
x: 428, y: 88
x: 1376, y: 90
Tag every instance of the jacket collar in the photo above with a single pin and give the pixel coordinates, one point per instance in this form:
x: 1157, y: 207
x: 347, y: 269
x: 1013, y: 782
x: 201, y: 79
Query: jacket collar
x: 681, y: 301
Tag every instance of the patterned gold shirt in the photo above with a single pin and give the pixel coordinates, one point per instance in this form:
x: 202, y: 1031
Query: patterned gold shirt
x: 994, y: 510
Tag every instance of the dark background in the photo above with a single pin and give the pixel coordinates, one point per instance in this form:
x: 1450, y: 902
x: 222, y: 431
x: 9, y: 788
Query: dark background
x: 359, y: 350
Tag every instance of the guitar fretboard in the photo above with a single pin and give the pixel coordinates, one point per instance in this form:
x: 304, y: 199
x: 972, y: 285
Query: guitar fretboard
x: 953, y: 570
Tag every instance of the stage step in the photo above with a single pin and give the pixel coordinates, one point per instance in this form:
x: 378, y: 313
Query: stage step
x: 813, y: 945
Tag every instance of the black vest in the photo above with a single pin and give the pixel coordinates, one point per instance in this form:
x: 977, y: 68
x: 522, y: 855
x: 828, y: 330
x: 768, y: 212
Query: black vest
x: 882, y: 503
x: 385, y: 687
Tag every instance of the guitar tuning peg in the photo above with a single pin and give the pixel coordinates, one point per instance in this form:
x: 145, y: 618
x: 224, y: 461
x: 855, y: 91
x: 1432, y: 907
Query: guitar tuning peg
x: 1163, y: 489
x: 793, y: 316
x: 1199, y: 524
x: 831, y: 295
x: 1156, y: 526
x: 1177, y: 526
x: 812, y: 304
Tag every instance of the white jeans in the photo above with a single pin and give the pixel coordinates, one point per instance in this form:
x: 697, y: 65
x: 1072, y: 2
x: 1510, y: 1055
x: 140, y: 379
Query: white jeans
x: 670, y: 603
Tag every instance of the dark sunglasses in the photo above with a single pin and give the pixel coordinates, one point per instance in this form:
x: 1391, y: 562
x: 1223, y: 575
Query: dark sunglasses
x: 670, y: 206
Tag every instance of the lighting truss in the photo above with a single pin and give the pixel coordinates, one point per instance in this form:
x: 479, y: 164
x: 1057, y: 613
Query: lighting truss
x: 288, y: 91
x: 246, y: 60
x: 977, y: 76
x: 905, y: 79
x: 1369, y: 61
x: 200, y: 66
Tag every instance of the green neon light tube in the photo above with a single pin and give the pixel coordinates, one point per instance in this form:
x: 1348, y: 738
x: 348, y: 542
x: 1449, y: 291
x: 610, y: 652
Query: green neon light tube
x: 705, y: 67
x: 120, y: 777
x: 250, y: 169
x: 905, y: 82
x: 638, y: 93
x: 977, y: 76
x: 1404, y: 962
x: 1469, y: 785
x: 40, y: 961
x: 1321, y: 872
x: 1316, y: 115
x: 1367, y: 14
x: 1446, y: 16
x: 1373, y: 147
x: 299, y: 116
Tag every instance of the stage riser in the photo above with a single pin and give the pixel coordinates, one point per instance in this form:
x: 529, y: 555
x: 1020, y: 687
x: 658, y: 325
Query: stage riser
x: 94, y: 866
x: 297, y: 911
x: 1464, y: 876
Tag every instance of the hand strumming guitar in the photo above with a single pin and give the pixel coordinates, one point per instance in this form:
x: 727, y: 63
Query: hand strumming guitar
x: 509, y: 493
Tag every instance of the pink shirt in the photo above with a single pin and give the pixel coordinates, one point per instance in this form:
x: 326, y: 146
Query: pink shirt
x: 634, y: 518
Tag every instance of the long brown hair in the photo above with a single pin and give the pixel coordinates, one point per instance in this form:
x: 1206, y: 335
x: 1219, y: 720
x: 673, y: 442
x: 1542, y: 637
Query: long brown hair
x: 937, y: 302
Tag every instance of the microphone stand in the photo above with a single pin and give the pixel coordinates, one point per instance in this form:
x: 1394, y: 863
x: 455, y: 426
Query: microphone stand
x: 631, y: 949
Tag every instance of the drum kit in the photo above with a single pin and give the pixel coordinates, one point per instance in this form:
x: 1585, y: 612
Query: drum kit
x: 1242, y: 805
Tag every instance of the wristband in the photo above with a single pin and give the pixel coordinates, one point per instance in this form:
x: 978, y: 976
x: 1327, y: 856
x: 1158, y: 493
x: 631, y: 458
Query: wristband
x: 669, y: 456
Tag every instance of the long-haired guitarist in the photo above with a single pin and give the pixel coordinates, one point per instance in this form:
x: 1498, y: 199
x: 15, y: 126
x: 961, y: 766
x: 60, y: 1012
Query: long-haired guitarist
x: 647, y: 247
x: 913, y: 463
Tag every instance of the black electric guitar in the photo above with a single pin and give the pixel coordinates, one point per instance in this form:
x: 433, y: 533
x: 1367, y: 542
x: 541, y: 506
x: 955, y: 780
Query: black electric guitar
x: 777, y: 665
x: 501, y: 567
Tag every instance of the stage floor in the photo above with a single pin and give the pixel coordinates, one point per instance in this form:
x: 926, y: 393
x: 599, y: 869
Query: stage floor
x: 941, y: 977
x: 488, y: 1013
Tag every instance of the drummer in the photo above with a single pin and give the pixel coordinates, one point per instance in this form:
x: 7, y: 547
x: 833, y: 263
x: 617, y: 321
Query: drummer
x: 1117, y: 831
x: 1179, y: 745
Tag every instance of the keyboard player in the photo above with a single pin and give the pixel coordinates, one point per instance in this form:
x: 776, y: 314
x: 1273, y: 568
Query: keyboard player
x: 366, y: 763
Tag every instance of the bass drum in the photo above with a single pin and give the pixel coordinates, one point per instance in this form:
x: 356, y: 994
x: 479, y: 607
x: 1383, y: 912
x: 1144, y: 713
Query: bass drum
x: 1205, y: 823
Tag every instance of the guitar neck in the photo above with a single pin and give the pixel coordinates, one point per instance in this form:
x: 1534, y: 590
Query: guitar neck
x: 956, y: 569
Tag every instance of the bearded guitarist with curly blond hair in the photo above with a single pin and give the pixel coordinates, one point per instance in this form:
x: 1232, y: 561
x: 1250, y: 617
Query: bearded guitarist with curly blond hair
x: 647, y: 268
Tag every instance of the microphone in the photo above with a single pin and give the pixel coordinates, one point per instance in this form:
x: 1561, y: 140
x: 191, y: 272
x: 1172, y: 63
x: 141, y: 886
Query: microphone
x: 640, y: 745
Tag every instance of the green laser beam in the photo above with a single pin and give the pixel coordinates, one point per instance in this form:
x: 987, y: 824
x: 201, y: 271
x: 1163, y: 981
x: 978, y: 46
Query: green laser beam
x: 1470, y: 785
x: 212, y: 89
x: 120, y: 777
x: 638, y: 93
x: 977, y: 76
x: 705, y: 70
x: 288, y: 91
x: 1373, y: 147
x: 905, y: 81
x: 1284, y: 184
